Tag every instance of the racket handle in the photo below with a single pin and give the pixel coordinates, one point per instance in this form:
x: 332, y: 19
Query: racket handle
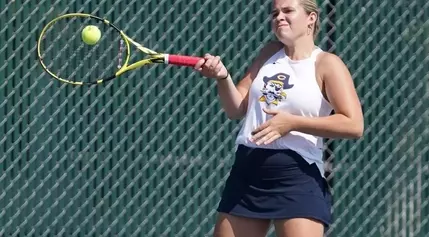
x: 180, y: 60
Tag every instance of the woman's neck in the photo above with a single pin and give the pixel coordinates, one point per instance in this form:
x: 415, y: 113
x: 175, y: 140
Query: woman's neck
x: 301, y: 49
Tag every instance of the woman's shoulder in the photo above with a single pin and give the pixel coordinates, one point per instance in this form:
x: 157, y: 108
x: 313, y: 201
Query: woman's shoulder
x: 266, y: 52
x: 271, y: 48
x: 328, y: 60
x: 331, y: 66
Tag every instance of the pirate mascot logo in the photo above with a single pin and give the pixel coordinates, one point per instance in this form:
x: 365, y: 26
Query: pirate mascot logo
x: 274, y: 88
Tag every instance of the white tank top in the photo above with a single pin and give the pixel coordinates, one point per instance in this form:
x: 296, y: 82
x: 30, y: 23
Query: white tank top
x: 289, y: 85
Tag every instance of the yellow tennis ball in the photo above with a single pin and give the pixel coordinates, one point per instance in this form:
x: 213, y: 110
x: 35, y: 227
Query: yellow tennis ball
x: 91, y: 34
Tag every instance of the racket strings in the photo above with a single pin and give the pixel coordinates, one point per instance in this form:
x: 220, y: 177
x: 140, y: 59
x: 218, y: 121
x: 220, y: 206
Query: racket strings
x: 121, y: 50
x: 57, y: 37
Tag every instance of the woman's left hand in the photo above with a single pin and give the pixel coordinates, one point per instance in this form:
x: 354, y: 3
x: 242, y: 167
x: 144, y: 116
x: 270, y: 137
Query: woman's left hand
x: 279, y: 125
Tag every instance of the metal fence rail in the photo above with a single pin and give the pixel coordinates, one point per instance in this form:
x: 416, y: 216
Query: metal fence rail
x: 147, y: 154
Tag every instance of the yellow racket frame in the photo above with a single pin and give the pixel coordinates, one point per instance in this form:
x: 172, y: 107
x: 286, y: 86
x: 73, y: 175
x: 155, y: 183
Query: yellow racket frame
x: 155, y: 57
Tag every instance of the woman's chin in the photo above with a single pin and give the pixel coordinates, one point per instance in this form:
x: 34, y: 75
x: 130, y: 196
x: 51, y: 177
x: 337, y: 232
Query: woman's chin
x: 284, y: 36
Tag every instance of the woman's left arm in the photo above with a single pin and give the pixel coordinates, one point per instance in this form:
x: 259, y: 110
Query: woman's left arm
x: 347, y: 122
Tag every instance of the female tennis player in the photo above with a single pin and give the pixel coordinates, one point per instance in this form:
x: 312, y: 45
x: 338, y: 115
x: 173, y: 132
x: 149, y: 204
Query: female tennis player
x: 286, y: 99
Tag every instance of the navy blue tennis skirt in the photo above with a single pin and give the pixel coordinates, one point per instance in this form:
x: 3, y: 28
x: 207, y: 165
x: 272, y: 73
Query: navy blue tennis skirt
x: 275, y: 184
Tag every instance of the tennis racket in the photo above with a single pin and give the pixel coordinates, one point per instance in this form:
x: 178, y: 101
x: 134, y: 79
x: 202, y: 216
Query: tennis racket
x: 64, y: 55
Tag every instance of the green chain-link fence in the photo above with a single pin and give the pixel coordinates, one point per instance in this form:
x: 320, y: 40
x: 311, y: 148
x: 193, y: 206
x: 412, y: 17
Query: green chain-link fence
x: 147, y: 154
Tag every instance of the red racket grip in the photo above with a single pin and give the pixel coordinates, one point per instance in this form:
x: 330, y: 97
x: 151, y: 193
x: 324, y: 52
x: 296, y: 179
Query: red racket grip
x: 180, y: 60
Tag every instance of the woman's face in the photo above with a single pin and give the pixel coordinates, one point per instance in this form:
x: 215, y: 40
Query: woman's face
x: 289, y: 20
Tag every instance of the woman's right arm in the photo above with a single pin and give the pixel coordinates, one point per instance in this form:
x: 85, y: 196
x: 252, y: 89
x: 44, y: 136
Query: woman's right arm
x: 233, y: 97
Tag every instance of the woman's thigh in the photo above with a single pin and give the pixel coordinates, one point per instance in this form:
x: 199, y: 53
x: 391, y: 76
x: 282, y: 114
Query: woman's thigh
x: 299, y: 227
x: 235, y: 226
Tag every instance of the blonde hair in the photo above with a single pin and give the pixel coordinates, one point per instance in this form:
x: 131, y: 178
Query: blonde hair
x: 309, y: 7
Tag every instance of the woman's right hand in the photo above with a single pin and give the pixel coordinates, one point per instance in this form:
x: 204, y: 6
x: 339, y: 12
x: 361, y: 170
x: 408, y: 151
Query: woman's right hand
x: 211, y: 67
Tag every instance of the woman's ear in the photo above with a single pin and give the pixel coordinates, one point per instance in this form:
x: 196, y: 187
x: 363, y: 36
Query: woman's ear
x: 312, y: 17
